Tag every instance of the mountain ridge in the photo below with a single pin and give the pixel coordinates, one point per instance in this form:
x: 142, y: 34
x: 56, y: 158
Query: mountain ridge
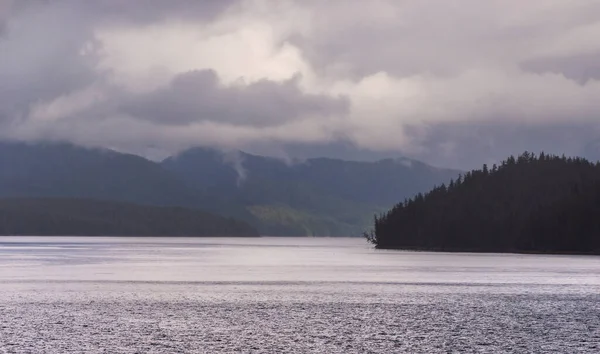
x: 319, y: 196
x: 313, y: 187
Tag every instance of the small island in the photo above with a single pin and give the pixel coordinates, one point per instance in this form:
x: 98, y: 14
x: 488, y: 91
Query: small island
x: 86, y: 217
x: 527, y: 204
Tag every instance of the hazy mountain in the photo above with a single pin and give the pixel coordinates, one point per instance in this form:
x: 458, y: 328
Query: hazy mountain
x: 80, y: 217
x: 63, y: 170
x: 321, y: 196
x: 342, y: 150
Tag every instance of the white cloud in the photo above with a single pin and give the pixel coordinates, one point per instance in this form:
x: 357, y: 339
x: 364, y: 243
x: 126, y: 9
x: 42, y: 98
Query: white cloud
x: 246, y: 44
x: 405, y: 68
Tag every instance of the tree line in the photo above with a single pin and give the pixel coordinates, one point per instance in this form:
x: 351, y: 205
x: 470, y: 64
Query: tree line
x: 530, y: 203
x: 86, y: 217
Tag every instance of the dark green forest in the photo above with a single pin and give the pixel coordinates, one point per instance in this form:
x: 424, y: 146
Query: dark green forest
x: 314, y: 197
x: 84, y: 217
x: 537, y: 204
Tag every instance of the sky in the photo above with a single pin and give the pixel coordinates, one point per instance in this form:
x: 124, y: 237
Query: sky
x: 456, y: 83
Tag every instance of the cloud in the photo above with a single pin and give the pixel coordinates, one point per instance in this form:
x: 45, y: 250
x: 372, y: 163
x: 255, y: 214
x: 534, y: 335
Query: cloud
x: 470, y: 145
x: 236, y: 160
x: 45, y: 53
x: 443, y: 38
x: 194, y: 109
x: 429, y: 79
x: 5, y: 6
x: 198, y: 96
x: 580, y: 68
x: 151, y: 11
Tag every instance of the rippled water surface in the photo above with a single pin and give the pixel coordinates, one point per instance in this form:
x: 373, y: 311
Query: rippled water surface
x: 278, y: 295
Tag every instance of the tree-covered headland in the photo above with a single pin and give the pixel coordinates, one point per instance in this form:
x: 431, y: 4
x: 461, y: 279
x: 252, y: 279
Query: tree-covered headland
x: 538, y: 204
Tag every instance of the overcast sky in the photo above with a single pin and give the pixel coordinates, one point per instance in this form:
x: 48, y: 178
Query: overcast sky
x: 454, y: 82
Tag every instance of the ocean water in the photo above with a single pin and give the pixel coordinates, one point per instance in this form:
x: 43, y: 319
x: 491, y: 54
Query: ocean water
x: 289, y: 295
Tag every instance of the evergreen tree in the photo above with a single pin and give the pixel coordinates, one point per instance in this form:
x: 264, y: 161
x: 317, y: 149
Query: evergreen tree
x: 527, y: 204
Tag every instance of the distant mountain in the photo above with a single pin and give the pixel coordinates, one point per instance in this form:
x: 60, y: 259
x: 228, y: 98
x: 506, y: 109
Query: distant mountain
x: 64, y: 170
x: 528, y: 204
x: 319, y: 196
x: 80, y: 217
x: 341, y: 150
x: 57, y: 170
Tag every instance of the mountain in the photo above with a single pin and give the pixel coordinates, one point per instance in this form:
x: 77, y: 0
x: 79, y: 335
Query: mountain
x: 340, y: 150
x: 527, y: 204
x: 317, y: 197
x: 321, y: 196
x: 80, y: 217
x: 64, y: 170
x: 60, y: 170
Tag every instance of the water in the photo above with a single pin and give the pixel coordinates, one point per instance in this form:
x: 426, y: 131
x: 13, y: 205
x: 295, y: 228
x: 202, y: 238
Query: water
x: 280, y: 295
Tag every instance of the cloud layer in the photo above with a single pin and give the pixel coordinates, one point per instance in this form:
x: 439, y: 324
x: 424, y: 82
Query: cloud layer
x: 457, y: 83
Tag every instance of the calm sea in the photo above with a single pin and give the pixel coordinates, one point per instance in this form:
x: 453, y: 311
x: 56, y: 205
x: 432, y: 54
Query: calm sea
x: 288, y: 295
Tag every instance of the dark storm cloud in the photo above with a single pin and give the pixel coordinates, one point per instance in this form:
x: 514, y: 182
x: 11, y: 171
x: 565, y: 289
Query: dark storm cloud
x: 199, y: 96
x: 46, y: 52
x: 54, y: 89
x: 49, y: 49
x: 150, y: 11
x: 195, y: 109
x: 136, y: 12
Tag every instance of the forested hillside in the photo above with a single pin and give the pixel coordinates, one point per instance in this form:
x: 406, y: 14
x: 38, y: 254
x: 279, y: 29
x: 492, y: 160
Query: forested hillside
x: 60, y: 170
x: 315, y: 197
x: 527, y: 204
x: 65, y: 170
x: 80, y: 217
x: 321, y: 196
